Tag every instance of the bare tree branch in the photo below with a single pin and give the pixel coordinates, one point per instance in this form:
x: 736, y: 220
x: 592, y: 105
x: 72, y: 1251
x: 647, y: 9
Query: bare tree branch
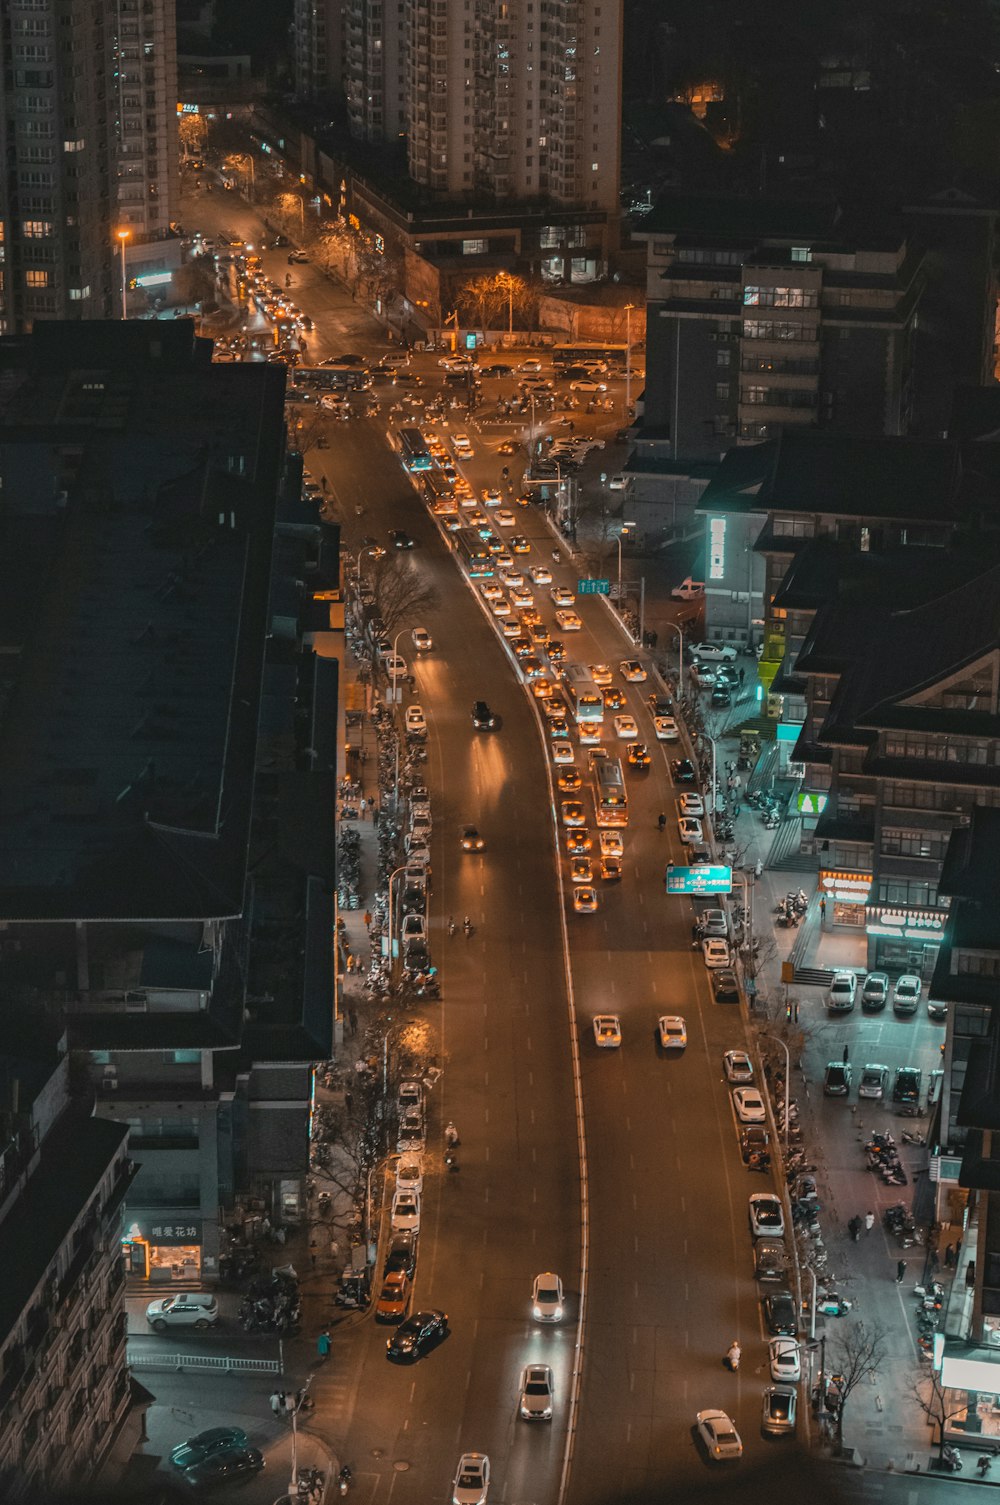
x: 400, y: 595
x: 930, y: 1397
x: 857, y: 1355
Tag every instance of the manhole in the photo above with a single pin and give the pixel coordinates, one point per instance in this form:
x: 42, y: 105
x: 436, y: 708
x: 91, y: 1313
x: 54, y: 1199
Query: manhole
x: 400, y: 1466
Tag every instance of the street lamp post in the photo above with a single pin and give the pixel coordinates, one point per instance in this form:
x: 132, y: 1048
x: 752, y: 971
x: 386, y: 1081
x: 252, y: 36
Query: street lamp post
x: 628, y: 359
x: 622, y: 534
x: 396, y: 687
x: 392, y: 878
x: 293, y: 1487
x: 123, y: 236
x: 788, y: 1078
x: 713, y: 797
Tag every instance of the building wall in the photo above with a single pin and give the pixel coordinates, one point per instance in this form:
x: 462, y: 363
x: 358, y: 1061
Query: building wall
x: 144, y: 61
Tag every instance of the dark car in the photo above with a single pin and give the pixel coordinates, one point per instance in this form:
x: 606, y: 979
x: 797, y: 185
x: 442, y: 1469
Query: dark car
x: 906, y: 1086
x: 400, y: 539
x: 754, y: 1140
x: 837, y: 1079
x: 500, y: 370
x: 770, y: 1259
x: 659, y: 705
x: 224, y: 1467
x: 779, y: 1313
x: 725, y: 987
x: 483, y: 719
x: 556, y: 650
x: 416, y: 1335
x: 682, y: 770
x: 197, y: 1449
x: 722, y: 696
x: 402, y: 1255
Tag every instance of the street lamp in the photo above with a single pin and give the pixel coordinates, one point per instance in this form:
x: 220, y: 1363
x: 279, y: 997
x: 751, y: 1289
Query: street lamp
x: 392, y: 878
x: 396, y: 686
x: 293, y: 1488
x: 622, y: 534
x: 628, y: 358
x: 714, y: 796
x: 123, y: 236
x: 680, y: 655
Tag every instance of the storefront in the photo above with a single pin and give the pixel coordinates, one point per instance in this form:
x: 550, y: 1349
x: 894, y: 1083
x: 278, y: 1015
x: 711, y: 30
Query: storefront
x: 904, y: 940
x: 846, y: 896
x: 163, y: 1250
x: 970, y: 1392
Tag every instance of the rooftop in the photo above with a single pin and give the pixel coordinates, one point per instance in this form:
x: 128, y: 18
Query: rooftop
x: 728, y: 218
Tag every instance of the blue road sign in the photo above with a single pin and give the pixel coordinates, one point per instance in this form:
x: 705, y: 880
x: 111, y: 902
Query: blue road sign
x: 593, y: 587
x: 703, y: 879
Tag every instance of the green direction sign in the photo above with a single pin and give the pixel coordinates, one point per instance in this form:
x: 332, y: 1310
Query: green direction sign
x: 593, y: 587
x: 702, y: 879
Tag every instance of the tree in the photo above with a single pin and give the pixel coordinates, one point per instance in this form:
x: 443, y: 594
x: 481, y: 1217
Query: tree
x: 192, y: 132
x: 492, y: 300
x: 400, y: 595
x: 930, y: 1397
x: 858, y: 1355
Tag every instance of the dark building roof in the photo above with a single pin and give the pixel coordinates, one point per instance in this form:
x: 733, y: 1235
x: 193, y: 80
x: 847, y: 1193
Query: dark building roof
x: 139, y: 485
x: 725, y: 218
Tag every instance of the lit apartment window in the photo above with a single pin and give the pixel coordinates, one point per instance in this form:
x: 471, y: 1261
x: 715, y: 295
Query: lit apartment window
x: 36, y: 278
x: 474, y: 248
x: 74, y: 146
x: 77, y: 294
x: 36, y: 229
x: 594, y: 167
x: 801, y: 253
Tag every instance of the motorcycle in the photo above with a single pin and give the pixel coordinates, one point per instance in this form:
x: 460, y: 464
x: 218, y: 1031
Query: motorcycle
x: 915, y: 1139
x: 733, y: 1356
x: 344, y: 1480
x: 951, y: 1459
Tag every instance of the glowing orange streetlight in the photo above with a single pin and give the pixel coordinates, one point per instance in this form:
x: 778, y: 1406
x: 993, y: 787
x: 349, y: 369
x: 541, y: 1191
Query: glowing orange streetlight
x: 123, y: 236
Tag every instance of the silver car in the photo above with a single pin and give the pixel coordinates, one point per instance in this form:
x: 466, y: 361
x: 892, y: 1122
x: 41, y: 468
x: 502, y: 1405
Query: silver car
x: 873, y: 1080
x: 536, y: 1393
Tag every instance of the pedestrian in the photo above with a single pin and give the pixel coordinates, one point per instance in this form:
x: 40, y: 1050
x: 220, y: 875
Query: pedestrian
x: 847, y: 1054
x: 312, y: 1254
x: 324, y: 483
x: 970, y: 1275
x: 371, y: 802
x: 949, y: 1257
x: 350, y: 964
x: 934, y: 1260
x: 662, y: 823
x: 822, y: 908
x: 323, y: 1343
x: 348, y: 1101
x: 743, y: 675
x: 854, y: 1228
x: 276, y: 1400
x: 352, y: 1016
x: 758, y: 868
x: 869, y: 1221
x: 900, y: 1271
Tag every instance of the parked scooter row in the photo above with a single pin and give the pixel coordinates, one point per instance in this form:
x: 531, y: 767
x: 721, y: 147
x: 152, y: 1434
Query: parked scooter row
x: 883, y: 1157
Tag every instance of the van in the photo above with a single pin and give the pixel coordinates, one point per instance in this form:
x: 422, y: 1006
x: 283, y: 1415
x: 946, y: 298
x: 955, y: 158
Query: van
x: 688, y: 590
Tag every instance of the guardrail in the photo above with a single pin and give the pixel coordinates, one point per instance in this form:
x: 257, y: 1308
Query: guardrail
x: 203, y: 1363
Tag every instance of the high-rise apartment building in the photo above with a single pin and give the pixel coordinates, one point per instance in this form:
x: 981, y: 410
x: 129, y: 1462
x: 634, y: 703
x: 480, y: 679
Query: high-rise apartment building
x: 88, y: 135
x: 317, y: 28
x: 372, y: 68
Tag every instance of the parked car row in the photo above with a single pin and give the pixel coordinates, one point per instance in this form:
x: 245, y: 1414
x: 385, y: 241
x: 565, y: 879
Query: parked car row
x: 876, y: 992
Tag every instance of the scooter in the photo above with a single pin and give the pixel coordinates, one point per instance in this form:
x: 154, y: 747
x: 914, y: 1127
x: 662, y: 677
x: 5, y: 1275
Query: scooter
x: 733, y: 1356
x: 344, y: 1480
x: 951, y: 1459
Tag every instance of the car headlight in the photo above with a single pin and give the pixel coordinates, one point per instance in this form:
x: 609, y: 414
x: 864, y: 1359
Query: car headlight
x: 536, y: 1311
x: 557, y: 1312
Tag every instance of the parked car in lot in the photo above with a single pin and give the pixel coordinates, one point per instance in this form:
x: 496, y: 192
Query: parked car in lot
x: 837, y: 1079
x: 767, y: 1219
x: 749, y: 1105
x: 770, y: 1259
x: 713, y: 653
x: 872, y: 1081
x: 785, y: 1360
x: 842, y: 993
x: 738, y: 1067
x: 906, y: 994
x: 906, y: 1086
x: 874, y: 992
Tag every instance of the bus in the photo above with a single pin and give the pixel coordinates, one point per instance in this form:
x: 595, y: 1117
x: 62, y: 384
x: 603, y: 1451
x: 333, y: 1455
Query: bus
x: 585, y: 701
x: 440, y: 493
x: 584, y: 353
x: 334, y: 378
x: 610, y: 798
x: 474, y: 554
x: 413, y: 451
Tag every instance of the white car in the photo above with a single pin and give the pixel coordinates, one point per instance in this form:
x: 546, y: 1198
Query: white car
x: 767, y: 1220
x: 691, y: 804
x: 472, y: 1480
x: 785, y: 1358
x: 502, y: 608
x: 713, y: 653
x: 547, y: 1298
x: 625, y: 727
x: 843, y: 991
x: 906, y: 994
x: 588, y: 386
x: 673, y: 1032
x: 506, y: 518
x: 715, y: 952
x: 490, y: 591
x: 536, y: 1393
x: 405, y: 1215
x: 415, y: 719
x: 600, y: 674
x: 540, y: 574
x: 569, y: 621
x: 561, y: 596
x: 737, y: 1066
x: 608, y: 1031
x: 749, y: 1105
x: 522, y: 598
x: 422, y: 639
x: 510, y: 626
x: 410, y: 1175
x: 632, y: 671
x: 585, y: 899
x: 462, y: 442
x: 511, y: 576
x: 665, y: 728
x: 719, y: 1435
x: 612, y: 844
x: 617, y: 483
x: 690, y: 831
x: 395, y: 666
x: 562, y: 752
x: 714, y: 922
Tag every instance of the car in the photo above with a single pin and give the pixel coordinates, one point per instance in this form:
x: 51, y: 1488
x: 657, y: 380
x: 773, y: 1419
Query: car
x: 632, y: 671
x: 713, y: 653
x: 522, y: 646
x: 490, y: 591
x: 713, y: 922
x: 472, y: 841
x: 415, y: 720
x: 906, y: 994
x: 472, y: 1480
x: 547, y: 1297
x: 540, y: 574
x: 414, y: 928
x: 689, y: 828
x: 537, y: 1390
x: 196, y: 1449
x: 224, y: 1466
x: 779, y: 1313
x: 504, y: 560
x: 837, y: 1079
x: 672, y: 1032
x: 588, y: 385
x: 401, y: 539
x: 409, y: 1174
x: 614, y: 699
x: 393, y: 1298
x: 416, y: 1335
x: 682, y: 771
x: 638, y: 755
x: 767, y: 1219
x: 421, y: 639
x: 477, y: 519
x: 401, y: 1254
x: 719, y: 1435
x: 612, y: 843
x: 410, y: 1094
x: 578, y: 841
x: 617, y: 482
x: 510, y: 627
x: 519, y: 544
x: 530, y: 367
x: 561, y: 596
x: 754, y: 1144
x: 492, y: 497
x: 585, y: 899
x: 395, y: 666
x: 625, y: 726
x: 611, y: 869
x: 715, y: 952
x: 875, y: 992
x: 725, y: 986
x: 185, y: 1309
x: 703, y: 675
x: 697, y: 853
x: 770, y: 1260
x: 906, y: 1086
x: 556, y: 650
x: 558, y: 725
x: 505, y: 518
x: 778, y: 1407
x: 503, y: 609
x: 842, y: 992
x: 691, y: 804
x: 665, y: 728
x: 483, y: 719
x: 785, y: 1360
x: 721, y: 696
x: 749, y: 1105
x: 580, y: 870
x: 937, y: 1011
x: 873, y: 1080
x: 562, y: 753
x: 569, y: 621
x: 568, y: 778
x: 461, y: 441
x: 404, y: 1216
x: 688, y: 590
x: 607, y: 1031
x: 738, y: 1067
x: 411, y: 1133
x: 521, y: 597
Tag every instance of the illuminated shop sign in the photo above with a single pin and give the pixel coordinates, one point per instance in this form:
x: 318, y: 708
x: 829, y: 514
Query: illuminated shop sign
x: 812, y: 803
x: 907, y: 925
x: 845, y: 888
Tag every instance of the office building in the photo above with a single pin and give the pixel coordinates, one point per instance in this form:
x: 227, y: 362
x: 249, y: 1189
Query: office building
x: 67, y: 1407
x: 153, y: 575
